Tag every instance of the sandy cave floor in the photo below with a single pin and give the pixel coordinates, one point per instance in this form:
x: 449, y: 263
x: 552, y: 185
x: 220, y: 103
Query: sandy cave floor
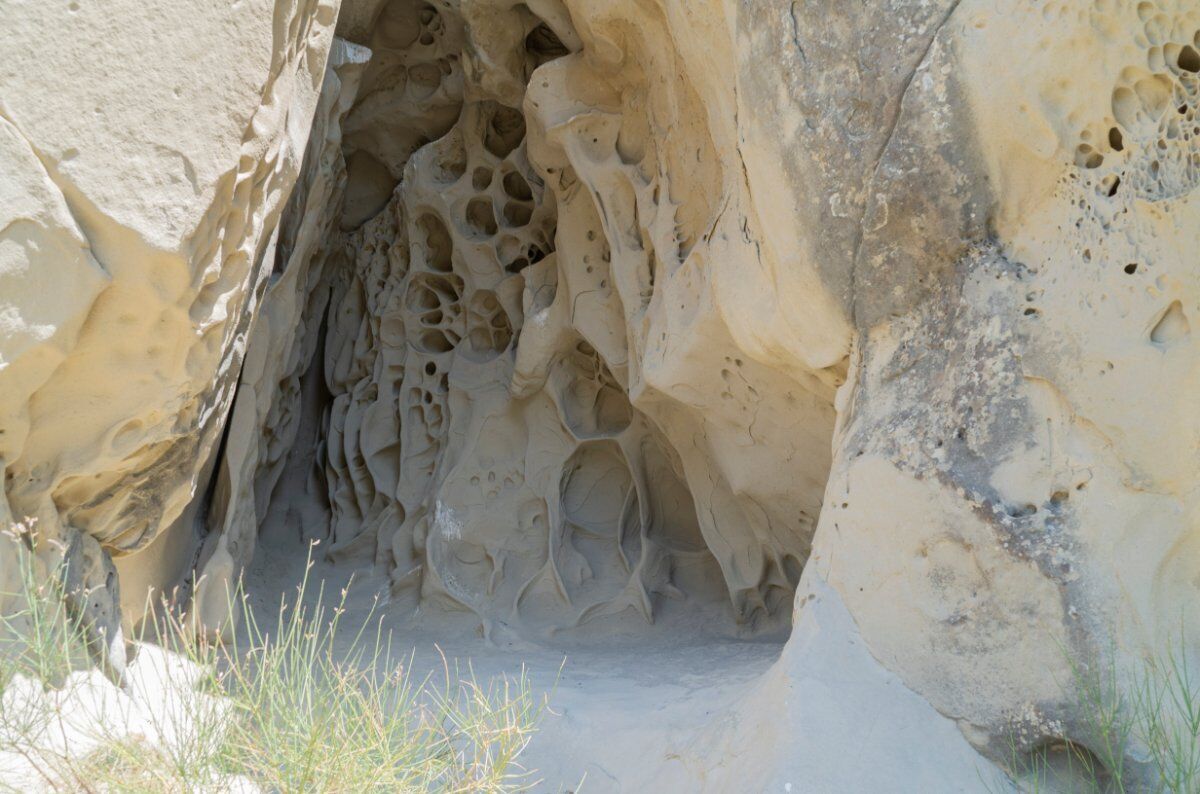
x: 624, y: 697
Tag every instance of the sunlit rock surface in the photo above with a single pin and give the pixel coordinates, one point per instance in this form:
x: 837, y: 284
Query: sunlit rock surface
x: 589, y: 311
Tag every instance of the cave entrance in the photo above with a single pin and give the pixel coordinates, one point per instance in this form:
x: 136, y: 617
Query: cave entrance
x: 458, y: 407
x: 458, y: 421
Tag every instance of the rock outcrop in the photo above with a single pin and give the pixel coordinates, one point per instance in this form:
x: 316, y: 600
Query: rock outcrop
x: 573, y: 310
x: 146, y: 168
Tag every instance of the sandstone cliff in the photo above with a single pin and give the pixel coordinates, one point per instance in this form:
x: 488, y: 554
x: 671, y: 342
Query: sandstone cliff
x: 868, y: 320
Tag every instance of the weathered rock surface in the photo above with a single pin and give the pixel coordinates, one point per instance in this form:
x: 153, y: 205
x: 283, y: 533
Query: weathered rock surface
x: 585, y: 311
x: 148, y: 153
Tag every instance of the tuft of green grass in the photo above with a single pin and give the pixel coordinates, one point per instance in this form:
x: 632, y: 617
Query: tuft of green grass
x: 39, y: 648
x: 1152, y: 715
x: 301, y: 703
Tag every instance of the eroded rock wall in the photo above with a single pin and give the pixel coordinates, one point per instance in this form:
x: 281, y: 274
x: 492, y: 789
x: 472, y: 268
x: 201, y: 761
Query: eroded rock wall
x: 599, y: 307
x: 537, y: 408
x: 148, y: 155
x: 267, y: 412
x: 1013, y: 477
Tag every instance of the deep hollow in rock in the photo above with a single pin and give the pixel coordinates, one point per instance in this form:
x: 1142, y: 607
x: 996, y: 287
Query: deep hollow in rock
x: 488, y: 423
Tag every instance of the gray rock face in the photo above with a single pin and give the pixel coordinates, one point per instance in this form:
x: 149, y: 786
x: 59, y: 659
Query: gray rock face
x: 93, y: 601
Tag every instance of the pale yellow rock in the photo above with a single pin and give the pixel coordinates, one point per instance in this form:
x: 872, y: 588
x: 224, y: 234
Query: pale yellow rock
x: 148, y: 152
x: 591, y: 313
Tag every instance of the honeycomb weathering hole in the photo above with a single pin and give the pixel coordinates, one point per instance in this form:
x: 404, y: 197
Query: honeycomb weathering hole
x: 505, y: 131
x: 480, y: 217
x: 1189, y: 59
